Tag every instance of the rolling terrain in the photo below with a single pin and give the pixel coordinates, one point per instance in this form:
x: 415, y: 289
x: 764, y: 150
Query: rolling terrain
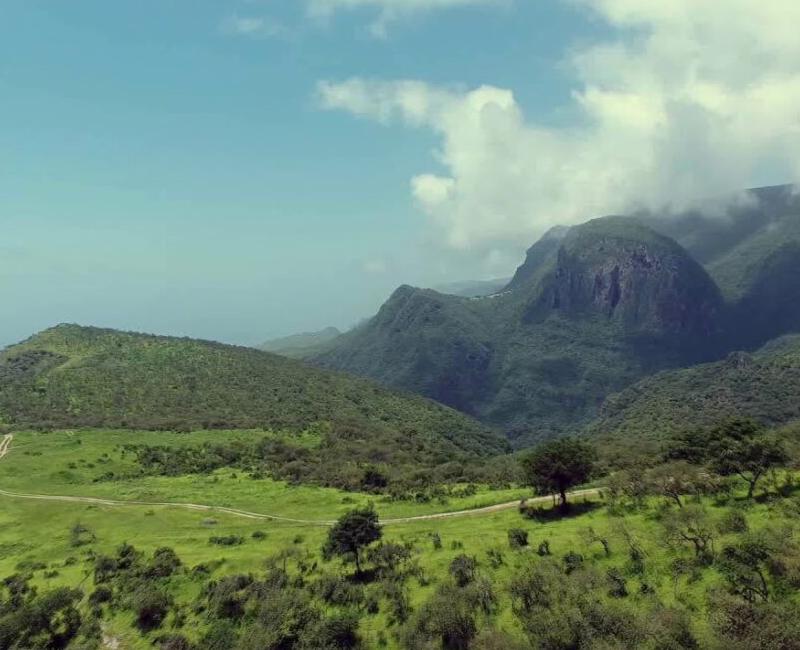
x: 592, y: 310
x: 71, y: 376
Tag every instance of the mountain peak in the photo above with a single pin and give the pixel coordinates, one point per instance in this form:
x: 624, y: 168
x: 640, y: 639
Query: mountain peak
x: 620, y: 268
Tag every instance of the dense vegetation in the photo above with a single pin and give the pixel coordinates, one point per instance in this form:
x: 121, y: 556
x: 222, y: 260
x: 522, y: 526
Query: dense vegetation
x: 763, y: 386
x: 348, y: 459
x: 590, y: 312
x: 675, y: 556
x: 71, y: 376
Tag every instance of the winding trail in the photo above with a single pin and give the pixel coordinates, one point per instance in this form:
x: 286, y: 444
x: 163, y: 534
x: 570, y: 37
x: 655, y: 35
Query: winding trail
x: 5, y: 445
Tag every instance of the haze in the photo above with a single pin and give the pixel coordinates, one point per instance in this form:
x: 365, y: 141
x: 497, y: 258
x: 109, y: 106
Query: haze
x: 244, y: 170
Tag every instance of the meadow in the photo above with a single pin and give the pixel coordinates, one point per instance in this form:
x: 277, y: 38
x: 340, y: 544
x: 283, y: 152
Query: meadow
x: 38, y: 536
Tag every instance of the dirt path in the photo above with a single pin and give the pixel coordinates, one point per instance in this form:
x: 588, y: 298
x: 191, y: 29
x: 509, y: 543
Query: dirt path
x: 5, y: 445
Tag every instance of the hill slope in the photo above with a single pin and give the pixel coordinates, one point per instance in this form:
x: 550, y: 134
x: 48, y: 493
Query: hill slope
x: 589, y: 312
x: 300, y: 346
x: 80, y: 376
x: 764, y: 386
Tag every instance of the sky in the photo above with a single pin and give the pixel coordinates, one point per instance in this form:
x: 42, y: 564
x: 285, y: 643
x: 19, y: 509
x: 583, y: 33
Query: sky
x: 244, y: 169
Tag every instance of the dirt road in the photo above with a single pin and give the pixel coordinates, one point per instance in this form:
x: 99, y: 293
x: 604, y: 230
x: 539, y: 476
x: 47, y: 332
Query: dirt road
x: 5, y: 445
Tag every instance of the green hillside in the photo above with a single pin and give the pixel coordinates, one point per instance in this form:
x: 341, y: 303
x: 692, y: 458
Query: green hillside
x: 591, y: 311
x: 764, y: 386
x: 71, y: 376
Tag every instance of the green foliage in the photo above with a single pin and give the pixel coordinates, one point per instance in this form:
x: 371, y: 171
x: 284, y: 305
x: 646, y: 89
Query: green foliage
x: 464, y: 569
x: 557, y: 466
x: 762, y: 387
x: 517, y: 538
x: 739, y: 447
x: 353, y: 532
x: 71, y: 376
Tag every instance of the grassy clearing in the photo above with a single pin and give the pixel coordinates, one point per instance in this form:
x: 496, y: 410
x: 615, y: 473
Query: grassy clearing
x: 73, y: 463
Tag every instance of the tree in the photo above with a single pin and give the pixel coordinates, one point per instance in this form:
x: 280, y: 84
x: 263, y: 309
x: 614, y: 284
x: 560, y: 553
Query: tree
x: 354, y: 531
x: 557, y: 466
x: 742, y: 448
x: 677, y: 479
x: 691, y: 525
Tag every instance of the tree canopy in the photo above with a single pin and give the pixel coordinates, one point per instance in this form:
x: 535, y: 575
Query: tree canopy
x: 353, y: 531
x: 557, y: 466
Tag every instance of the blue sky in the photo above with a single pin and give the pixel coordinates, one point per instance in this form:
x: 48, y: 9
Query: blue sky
x: 242, y: 170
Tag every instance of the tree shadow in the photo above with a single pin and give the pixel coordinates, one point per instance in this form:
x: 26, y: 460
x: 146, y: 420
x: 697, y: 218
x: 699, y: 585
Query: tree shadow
x: 364, y: 577
x: 548, y: 514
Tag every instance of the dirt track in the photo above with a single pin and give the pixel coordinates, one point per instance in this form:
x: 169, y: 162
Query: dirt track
x: 5, y: 445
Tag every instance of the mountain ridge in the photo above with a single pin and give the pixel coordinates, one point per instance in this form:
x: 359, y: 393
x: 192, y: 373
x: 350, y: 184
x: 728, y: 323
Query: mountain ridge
x: 592, y: 309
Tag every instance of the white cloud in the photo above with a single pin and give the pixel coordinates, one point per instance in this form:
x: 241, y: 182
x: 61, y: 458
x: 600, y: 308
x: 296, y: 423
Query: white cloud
x: 692, y: 98
x: 251, y: 26
x: 389, y: 11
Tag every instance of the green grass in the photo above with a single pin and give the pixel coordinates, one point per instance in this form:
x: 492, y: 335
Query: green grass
x: 67, y: 463
x: 32, y: 531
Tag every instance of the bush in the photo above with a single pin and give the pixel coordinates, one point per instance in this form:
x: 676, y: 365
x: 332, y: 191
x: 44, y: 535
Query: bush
x: 226, y: 540
x: 463, y: 569
x: 517, y: 538
x: 336, y: 590
x: 151, y: 607
x: 733, y: 521
x: 102, y: 594
x: 572, y: 562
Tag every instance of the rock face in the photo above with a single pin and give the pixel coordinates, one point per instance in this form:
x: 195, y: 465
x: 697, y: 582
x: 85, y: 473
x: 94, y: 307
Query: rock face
x: 622, y: 270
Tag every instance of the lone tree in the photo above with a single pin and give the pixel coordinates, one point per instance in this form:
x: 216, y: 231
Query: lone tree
x: 557, y: 466
x: 354, y: 531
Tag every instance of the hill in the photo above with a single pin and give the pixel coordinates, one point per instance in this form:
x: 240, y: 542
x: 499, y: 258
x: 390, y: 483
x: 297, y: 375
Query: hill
x: 72, y: 376
x: 589, y: 312
x: 300, y: 346
x: 763, y: 386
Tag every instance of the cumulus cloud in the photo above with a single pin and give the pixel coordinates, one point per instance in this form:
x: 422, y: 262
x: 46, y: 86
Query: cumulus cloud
x: 389, y: 11
x: 690, y: 99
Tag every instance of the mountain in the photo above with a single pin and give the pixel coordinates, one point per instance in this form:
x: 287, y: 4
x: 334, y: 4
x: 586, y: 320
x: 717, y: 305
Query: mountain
x: 752, y: 251
x: 301, y: 346
x: 590, y: 311
x: 764, y: 386
x: 72, y: 376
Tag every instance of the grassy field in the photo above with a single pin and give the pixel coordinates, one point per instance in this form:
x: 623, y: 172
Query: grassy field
x: 73, y: 463
x: 36, y: 535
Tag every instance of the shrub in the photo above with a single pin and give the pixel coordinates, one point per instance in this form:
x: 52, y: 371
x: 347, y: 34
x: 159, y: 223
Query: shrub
x: 517, y: 538
x: 151, y: 608
x: 733, y: 521
x: 226, y: 540
x: 463, y: 569
x: 572, y: 562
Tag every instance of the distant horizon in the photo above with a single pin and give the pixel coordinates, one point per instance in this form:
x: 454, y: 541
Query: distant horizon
x: 243, y: 171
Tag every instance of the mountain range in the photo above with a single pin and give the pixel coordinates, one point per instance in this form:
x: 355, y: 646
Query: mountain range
x: 592, y: 310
